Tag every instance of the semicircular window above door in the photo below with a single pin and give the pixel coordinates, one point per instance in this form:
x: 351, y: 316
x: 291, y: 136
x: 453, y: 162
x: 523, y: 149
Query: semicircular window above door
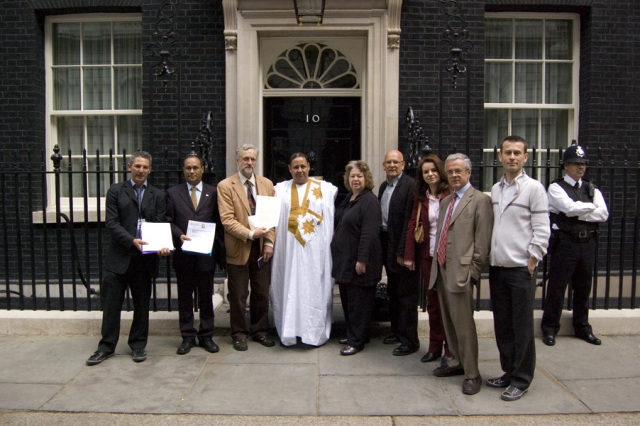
x: 312, y: 66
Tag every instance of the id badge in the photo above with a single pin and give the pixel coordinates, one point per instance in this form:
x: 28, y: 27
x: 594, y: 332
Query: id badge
x: 139, y: 231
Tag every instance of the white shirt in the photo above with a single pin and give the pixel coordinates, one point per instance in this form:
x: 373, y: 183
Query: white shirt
x: 560, y: 202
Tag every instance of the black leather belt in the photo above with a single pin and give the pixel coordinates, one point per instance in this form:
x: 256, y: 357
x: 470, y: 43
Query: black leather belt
x: 577, y: 237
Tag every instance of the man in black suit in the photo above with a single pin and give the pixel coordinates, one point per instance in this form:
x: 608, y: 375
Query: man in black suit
x: 128, y: 204
x: 396, y: 202
x: 198, y: 201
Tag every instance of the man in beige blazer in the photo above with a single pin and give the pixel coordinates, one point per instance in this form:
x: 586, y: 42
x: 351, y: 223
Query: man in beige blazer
x: 464, y: 250
x: 248, y: 252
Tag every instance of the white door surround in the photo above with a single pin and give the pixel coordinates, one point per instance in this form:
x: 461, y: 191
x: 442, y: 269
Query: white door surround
x: 374, y: 24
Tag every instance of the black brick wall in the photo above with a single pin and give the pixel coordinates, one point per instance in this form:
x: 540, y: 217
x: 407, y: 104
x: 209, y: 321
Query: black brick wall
x: 172, y: 113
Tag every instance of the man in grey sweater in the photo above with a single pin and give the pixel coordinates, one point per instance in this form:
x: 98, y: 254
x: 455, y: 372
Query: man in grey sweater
x: 519, y: 241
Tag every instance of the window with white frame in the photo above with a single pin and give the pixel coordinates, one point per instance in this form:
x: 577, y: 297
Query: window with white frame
x: 94, y: 95
x: 531, y: 82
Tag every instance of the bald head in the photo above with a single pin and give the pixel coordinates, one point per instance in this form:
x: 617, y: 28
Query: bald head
x: 393, y: 164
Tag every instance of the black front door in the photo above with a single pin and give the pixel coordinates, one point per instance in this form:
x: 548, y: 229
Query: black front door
x: 327, y: 129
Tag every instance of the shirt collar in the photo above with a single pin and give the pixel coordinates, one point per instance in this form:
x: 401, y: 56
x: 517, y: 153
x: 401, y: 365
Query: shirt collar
x: 503, y: 181
x: 394, y: 181
x: 243, y: 179
x: 571, y: 181
x: 133, y: 184
x: 462, y: 190
x: 198, y: 186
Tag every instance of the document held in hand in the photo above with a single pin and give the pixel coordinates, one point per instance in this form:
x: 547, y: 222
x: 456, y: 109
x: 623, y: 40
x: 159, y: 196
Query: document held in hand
x: 156, y: 235
x: 267, y: 212
x: 202, y: 235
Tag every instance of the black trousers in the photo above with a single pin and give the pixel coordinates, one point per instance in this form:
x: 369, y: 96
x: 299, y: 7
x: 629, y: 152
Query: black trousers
x: 570, y: 261
x: 138, y: 279
x: 512, y: 295
x: 403, y: 291
x: 188, y: 282
x: 240, y: 278
x: 357, y: 304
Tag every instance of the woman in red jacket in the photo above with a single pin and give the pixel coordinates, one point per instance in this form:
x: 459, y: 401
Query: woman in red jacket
x: 431, y: 186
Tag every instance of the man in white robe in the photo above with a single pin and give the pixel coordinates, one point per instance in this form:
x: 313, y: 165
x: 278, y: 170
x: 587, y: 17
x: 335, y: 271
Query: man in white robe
x: 301, y: 283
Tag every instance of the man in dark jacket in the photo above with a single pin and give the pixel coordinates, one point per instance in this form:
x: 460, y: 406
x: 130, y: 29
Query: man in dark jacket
x: 197, y: 201
x: 129, y: 203
x: 396, y: 202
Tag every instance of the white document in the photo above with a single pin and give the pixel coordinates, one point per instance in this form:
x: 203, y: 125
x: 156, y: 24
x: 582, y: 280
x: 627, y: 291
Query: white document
x: 267, y: 212
x: 156, y: 235
x: 202, y: 235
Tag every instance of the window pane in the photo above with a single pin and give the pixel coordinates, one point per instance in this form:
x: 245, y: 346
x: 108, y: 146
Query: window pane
x: 528, y: 83
x: 96, y: 43
x: 497, y: 82
x: 127, y: 43
x: 128, y: 87
x: 129, y: 133
x: 558, y: 83
x: 66, y: 88
x: 76, y: 178
x: 66, y: 44
x: 498, y: 34
x: 104, y: 177
x: 99, y: 134
x: 528, y: 39
x: 70, y: 134
x: 559, y: 36
x: 496, y: 126
x: 97, y: 88
x: 555, y: 129
x: 524, y: 123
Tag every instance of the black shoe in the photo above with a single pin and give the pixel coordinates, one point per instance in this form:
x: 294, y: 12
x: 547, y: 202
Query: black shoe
x: 98, y: 357
x: 208, y: 344
x: 590, y: 338
x: 448, y: 371
x: 512, y: 394
x: 472, y: 386
x: 350, y: 350
x: 498, y: 382
x: 390, y: 340
x: 263, y: 340
x: 404, y: 350
x: 240, y: 343
x: 549, y: 340
x: 343, y: 341
x: 138, y: 355
x: 429, y: 357
x: 445, y: 361
x: 186, y: 345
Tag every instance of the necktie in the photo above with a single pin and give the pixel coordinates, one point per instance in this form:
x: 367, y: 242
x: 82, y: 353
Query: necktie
x: 194, y: 199
x: 442, y: 244
x: 252, y: 201
x: 577, y: 185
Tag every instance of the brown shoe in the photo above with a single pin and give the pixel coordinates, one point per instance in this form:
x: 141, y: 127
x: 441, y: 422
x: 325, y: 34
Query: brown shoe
x: 448, y: 371
x: 471, y: 386
x: 240, y: 343
x: 263, y: 340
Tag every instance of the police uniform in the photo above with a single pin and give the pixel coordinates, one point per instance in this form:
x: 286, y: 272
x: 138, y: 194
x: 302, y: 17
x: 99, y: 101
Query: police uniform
x: 576, y: 208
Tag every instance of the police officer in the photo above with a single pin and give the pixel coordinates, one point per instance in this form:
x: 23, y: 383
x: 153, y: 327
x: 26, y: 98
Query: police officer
x: 576, y: 207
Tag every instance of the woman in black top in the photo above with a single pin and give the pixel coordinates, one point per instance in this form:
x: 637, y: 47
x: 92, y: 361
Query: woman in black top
x: 356, y: 253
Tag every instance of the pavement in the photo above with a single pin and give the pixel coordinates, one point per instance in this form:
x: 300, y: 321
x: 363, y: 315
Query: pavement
x: 44, y: 380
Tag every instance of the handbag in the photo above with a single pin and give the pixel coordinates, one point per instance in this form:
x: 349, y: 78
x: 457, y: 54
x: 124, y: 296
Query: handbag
x: 418, y: 232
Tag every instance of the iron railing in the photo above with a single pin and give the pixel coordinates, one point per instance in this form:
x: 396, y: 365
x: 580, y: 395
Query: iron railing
x: 52, y: 245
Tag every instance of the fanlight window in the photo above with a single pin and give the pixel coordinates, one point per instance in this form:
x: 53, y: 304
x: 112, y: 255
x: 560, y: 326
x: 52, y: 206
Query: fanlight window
x: 312, y: 66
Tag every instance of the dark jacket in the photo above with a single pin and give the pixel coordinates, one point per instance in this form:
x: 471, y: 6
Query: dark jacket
x: 400, y: 207
x: 357, y: 239
x: 122, y: 223
x: 180, y: 211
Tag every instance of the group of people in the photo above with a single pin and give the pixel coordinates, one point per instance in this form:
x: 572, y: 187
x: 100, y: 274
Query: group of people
x: 293, y: 266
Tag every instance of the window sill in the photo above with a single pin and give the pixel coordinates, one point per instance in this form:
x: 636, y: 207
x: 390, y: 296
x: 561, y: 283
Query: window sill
x: 78, y: 215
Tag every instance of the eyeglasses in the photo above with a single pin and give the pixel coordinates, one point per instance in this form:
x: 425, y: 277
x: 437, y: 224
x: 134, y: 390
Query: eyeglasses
x: 456, y: 172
